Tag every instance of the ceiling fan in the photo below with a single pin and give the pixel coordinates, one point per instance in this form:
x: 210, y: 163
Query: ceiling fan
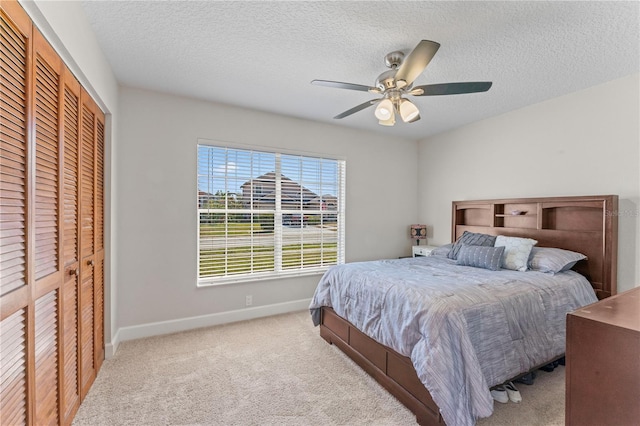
x: 397, y: 82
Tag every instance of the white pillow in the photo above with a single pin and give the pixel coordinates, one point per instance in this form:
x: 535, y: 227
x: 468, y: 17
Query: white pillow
x: 516, y: 251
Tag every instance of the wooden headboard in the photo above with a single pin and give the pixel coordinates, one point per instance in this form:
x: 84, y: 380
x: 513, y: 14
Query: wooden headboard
x: 585, y: 224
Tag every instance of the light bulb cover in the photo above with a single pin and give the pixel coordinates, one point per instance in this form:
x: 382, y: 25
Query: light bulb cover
x: 408, y: 111
x: 384, y: 110
x: 390, y: 122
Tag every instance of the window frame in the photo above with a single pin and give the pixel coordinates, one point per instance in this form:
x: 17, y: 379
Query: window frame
x: 278, y: 217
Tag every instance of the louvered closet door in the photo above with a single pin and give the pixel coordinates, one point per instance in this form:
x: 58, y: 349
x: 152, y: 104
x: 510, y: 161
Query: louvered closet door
x: 51, y: 230
x: 91, y: 286
x: 13, y: 332
x: 15, y: 293
x: 70, y: 385
x: 47, y: 263
x: 15, y: 62
x: 99, y: 241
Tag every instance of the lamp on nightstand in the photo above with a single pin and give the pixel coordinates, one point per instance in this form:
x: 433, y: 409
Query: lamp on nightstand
x: 419, y: 232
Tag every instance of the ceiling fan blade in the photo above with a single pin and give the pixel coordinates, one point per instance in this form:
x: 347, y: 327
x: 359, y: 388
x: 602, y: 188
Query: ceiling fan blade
x: 451, y: 88
x: 357, y: 108
x: 341, y: 85
x: 416, y: 62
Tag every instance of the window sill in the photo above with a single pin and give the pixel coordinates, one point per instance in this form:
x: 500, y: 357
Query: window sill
x: 247, y: 278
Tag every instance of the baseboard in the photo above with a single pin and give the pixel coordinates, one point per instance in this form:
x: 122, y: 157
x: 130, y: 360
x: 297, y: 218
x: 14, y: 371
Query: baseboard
x: 111, y: 347
x: 173, y: 326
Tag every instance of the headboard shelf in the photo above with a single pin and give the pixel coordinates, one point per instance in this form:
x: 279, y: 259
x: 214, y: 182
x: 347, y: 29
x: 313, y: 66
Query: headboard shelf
x: 583, y: 224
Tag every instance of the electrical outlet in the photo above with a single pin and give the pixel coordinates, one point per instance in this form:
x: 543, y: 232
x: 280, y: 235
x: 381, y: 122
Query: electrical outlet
x: 249, y: 300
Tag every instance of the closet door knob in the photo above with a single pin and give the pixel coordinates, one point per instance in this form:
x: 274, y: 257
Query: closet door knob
x: 73, y: 271
x: 91, y: 262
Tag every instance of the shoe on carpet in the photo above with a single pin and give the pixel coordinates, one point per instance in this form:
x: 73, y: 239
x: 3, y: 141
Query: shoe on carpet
x: 512, y: 392
x: 527, y: 379
x: 548, y: 368
x: 499, y: 393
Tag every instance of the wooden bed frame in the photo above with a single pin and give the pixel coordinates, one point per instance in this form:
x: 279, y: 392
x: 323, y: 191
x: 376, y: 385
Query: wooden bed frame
x: 586, y: 224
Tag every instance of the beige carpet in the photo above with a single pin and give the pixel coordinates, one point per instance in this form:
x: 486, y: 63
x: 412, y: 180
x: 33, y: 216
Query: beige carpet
x: 269, y: 371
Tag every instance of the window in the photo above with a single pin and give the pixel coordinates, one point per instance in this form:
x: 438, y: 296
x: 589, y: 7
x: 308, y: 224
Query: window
x: 266, y: 214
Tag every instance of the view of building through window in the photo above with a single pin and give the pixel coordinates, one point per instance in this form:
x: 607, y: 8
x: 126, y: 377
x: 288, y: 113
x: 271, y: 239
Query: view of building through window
x: 264, y: 213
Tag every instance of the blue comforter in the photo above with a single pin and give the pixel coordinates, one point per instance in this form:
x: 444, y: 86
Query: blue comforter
x: 465, y: 329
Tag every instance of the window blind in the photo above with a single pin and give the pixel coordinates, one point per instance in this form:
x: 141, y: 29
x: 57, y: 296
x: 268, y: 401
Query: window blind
x: 264, y: 214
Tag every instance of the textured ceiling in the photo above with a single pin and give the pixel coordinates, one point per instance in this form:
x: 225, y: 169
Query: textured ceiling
x: 263, y: 55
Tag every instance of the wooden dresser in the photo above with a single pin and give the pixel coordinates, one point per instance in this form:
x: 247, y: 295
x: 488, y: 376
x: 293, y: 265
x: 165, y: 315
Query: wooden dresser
x: 603, y: 362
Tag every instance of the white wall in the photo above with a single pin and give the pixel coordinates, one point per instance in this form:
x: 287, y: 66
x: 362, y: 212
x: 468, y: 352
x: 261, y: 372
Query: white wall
x: 584, y: 143
x: 65, y: 26
x: 156, y: 188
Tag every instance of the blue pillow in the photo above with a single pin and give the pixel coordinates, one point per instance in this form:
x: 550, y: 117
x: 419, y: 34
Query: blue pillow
x: 471, y: 239
x: 553, y: 260
x: 480, y: 257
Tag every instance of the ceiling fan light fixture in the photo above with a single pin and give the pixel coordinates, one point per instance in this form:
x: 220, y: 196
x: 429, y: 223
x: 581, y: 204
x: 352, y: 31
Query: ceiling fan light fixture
x: 408, y: 111
x: 384, y: 110
x: 397, y: 82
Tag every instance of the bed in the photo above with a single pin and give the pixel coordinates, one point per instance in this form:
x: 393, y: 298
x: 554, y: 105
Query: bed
x: 437, y: 334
